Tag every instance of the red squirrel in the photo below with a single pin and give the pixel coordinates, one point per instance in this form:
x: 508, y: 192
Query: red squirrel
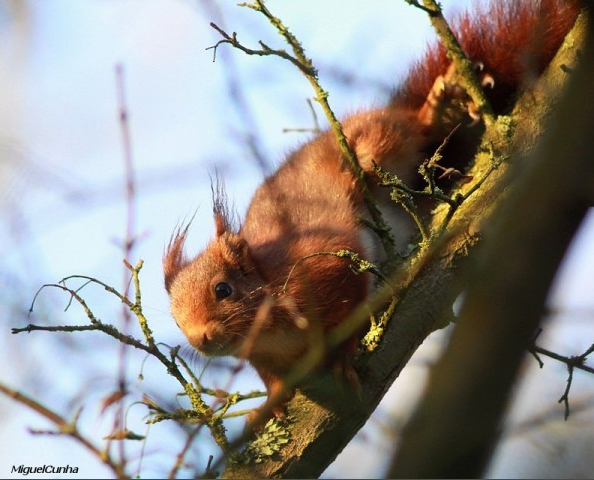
x: 254, y: 293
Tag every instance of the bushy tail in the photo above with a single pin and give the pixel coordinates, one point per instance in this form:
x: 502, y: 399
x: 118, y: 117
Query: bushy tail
x: 514, y: 40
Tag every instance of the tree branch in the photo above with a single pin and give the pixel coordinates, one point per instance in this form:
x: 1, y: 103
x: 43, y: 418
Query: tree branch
x: 205, y: 413
x: 507, y: 287
x: 464, y: 66
x: 65, y: 428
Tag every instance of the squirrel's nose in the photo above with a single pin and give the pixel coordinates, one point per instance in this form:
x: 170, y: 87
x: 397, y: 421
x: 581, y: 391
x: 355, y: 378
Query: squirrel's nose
x: 200, y: 340
x: 204, y: 339
x: 204, y: 342
x: 207, y: 338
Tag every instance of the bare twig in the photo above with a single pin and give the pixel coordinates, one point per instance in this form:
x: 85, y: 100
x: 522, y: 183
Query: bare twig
x: 202, y: 410
x: 264, y: 51
x: 123, y: 117
x: 66, y: 428
x: 179, y: 459
x: 415, y: 3
x: 250, y: 135
x: 129, y: 241
x: 358, y: 265
x: 571, y: 362
x: 315, y: 129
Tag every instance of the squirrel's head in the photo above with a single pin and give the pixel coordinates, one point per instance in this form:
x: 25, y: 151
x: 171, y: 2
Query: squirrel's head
x: 214, y: 297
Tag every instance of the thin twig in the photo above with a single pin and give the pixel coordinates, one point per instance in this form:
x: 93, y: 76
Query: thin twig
x: 358, y: 265
x: 213, y: 422
x: 575, y: 362
x: 129, y: 240
x: 65, y: 428
x: 128, y: 161
x: 415, y: 3
x: 571, y: 362
x: 464, y: 66
x: 179, y: 459
x: 251, y: 136
x: 565, y: 397
x: 315, y: 129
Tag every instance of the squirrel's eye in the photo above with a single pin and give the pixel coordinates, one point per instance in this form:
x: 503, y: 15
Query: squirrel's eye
x: 222, y: 290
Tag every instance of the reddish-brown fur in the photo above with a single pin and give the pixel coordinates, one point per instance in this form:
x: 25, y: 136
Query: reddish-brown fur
x: 254, y: 293
x: 514, y: 40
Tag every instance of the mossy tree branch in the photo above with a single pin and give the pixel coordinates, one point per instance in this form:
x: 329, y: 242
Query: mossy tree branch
x: 193, y: 391
x: 464, y: 66
x: 507, y: 287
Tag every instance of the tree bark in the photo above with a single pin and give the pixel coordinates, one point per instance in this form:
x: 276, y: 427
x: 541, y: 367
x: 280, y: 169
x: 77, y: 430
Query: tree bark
x: 457, y: 425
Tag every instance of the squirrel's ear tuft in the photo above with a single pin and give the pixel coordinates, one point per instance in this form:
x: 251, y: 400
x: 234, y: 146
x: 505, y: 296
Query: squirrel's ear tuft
x: 223, y: 218
x: 221, y: 222
x: 236, y: 251
x: 173, y: 259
